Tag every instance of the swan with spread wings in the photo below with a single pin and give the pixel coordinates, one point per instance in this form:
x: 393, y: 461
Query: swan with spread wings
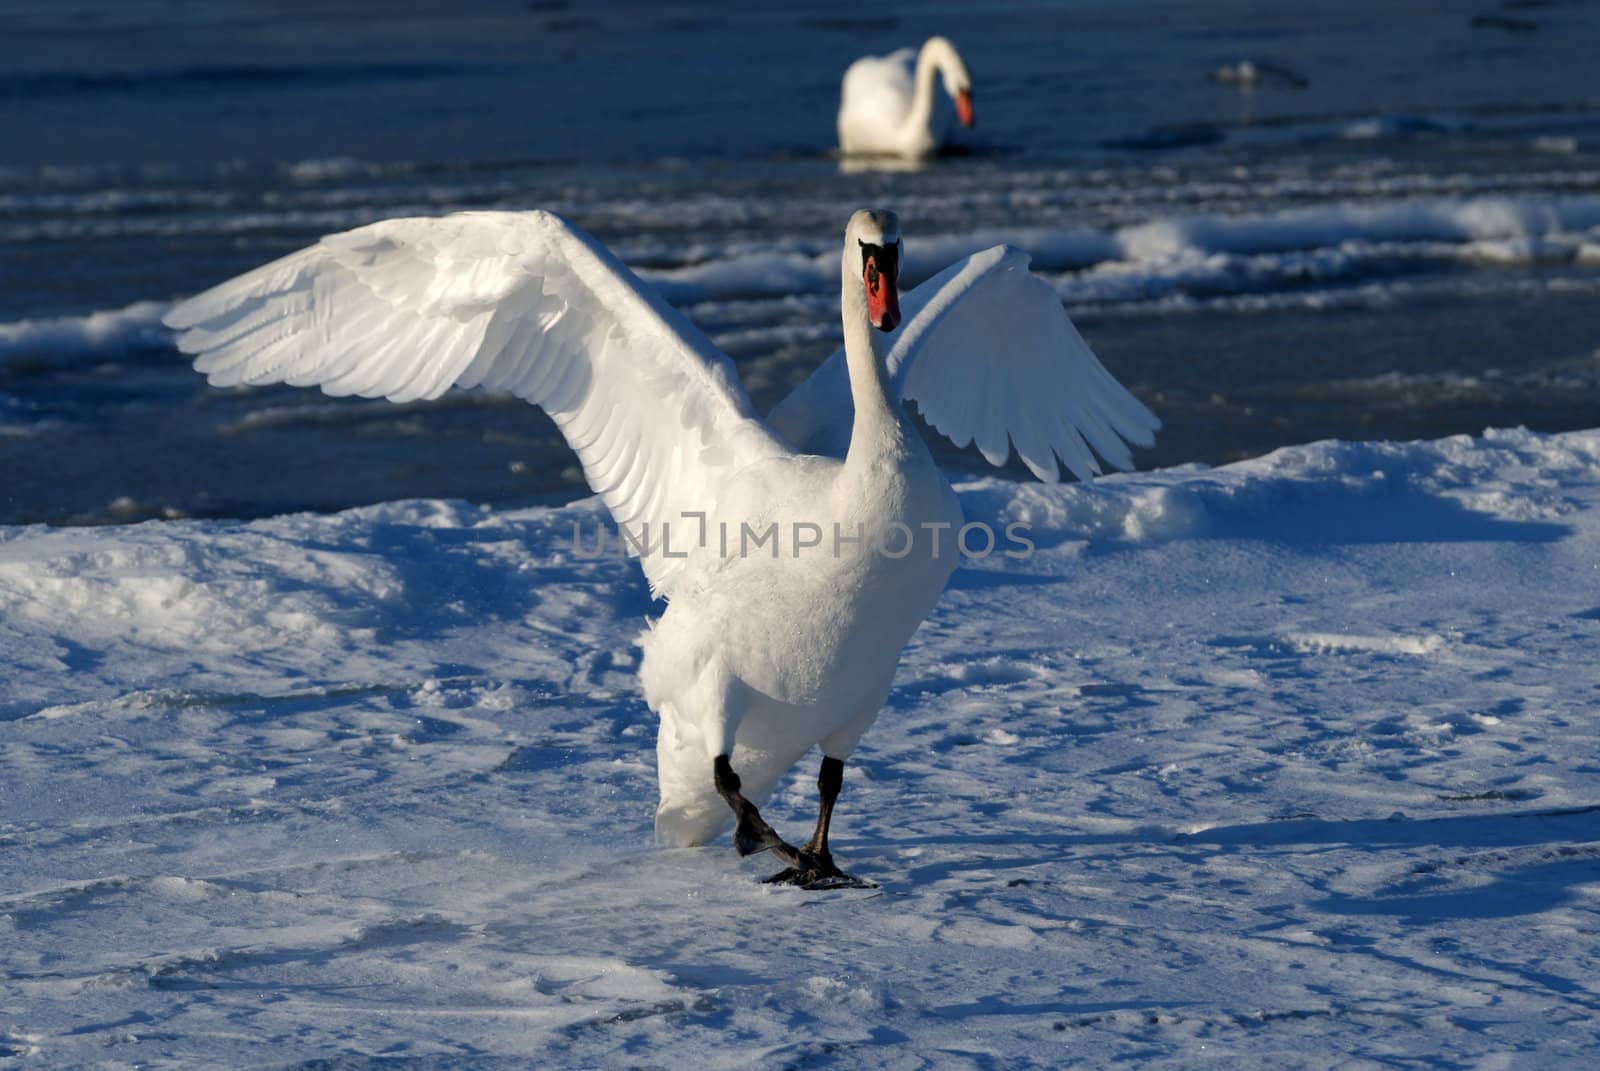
x: 766, y: 650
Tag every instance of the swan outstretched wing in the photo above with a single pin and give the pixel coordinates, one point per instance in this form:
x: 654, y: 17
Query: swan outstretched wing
x: 521, y: 302
x: 989, y: 356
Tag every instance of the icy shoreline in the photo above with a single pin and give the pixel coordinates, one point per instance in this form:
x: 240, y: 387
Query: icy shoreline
x: 1284, y: 763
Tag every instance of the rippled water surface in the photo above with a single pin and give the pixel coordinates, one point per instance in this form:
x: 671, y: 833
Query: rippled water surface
x: 1395, y: 234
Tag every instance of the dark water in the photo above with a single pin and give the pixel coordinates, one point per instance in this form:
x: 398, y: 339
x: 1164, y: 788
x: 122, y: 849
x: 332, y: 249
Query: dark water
x: 1396, y: 234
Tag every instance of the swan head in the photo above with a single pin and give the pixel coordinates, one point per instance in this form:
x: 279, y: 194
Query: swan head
x: 953, y: 73
x: 872, y: 254
x: 964, y: 110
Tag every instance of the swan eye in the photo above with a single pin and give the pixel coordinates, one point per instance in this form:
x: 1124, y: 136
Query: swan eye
x: 878, y: 261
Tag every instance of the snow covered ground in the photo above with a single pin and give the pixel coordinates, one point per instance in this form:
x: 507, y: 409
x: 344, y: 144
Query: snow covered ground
x: 1293, y: 763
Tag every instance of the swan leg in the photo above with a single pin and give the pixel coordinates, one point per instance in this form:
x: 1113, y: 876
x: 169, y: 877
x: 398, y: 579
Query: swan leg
x: 830, y: 779
x: 753, y: 834
x: 815, y: 868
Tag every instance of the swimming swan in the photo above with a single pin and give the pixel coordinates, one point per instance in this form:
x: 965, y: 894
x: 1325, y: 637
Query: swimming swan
x: 765, y: 651
x: 887, y: 107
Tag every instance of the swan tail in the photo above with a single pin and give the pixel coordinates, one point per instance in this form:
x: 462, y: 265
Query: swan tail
x: 690, y: 811
x: 690, y: 822
x: 692, y: 691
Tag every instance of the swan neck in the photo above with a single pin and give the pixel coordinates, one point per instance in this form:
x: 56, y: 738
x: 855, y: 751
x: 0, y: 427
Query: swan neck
x: 876, y: 419
x: 921, y: 114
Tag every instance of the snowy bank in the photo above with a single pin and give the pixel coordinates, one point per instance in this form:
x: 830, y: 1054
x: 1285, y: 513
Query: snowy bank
x: 1288, y: 763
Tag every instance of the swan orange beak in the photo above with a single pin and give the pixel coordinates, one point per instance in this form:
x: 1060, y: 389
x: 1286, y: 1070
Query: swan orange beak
x: 883, y: 296
x: 964, y: 108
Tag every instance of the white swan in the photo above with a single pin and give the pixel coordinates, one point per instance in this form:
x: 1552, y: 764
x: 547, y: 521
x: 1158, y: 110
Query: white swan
x: 764, y: 650
x: 887, y: 105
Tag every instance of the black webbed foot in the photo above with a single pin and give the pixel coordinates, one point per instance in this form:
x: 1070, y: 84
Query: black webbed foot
x: 810, y: 867
x: 817, y: 873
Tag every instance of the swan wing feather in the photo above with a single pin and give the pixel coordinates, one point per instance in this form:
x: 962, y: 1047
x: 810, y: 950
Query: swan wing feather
x: 521, y: 302
x: 990, y: 357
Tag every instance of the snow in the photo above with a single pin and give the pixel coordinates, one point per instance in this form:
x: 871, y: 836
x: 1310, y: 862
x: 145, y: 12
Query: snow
x: 106, y: 331
x: 1290, y: 763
